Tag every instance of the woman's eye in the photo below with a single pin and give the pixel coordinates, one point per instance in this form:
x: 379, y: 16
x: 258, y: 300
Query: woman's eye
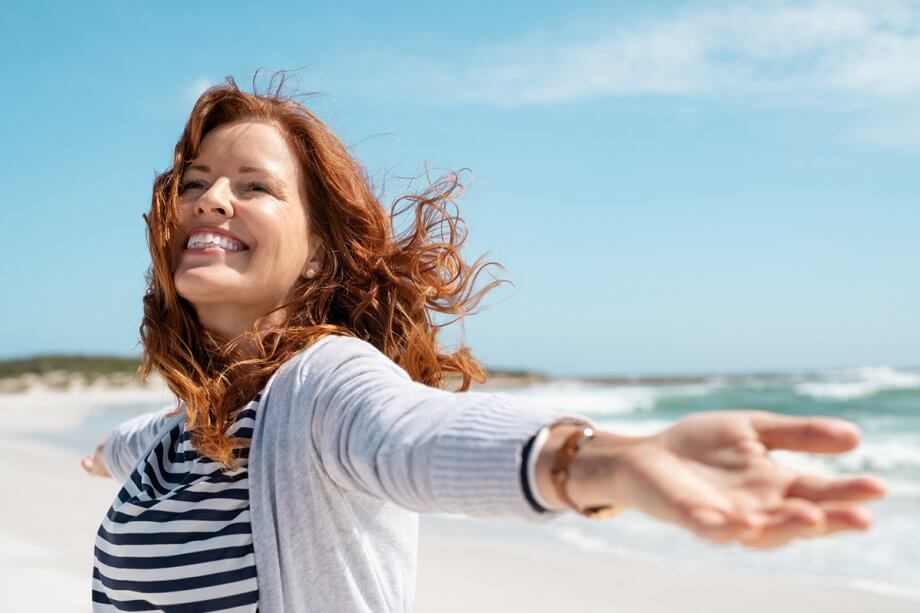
x: 259, y: 187
x: 183, y: 187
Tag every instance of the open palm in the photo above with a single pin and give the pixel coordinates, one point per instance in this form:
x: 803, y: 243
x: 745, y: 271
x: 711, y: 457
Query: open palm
x: 711, y: 473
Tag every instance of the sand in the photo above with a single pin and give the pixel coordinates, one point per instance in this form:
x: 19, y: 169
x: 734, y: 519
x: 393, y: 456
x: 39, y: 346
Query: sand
x: 52, y: 509
x: 480, y: 574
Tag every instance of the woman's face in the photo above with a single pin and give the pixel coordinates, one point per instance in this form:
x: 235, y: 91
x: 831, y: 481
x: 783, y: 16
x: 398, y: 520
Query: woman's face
x: 244, y: 225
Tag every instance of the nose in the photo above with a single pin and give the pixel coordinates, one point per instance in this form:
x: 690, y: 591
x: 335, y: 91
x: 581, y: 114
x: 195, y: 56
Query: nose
x: 216, y: 200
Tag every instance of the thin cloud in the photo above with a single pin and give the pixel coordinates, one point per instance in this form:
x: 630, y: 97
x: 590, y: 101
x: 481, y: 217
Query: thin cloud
x: 786, y: 52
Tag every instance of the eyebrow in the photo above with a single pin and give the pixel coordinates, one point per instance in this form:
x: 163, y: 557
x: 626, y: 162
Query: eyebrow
x: 242, y: 170
x: 247, y: 169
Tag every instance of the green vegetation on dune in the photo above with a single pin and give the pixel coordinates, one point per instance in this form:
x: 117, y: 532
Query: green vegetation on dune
x: 81, y: 364
x: 95, y: 366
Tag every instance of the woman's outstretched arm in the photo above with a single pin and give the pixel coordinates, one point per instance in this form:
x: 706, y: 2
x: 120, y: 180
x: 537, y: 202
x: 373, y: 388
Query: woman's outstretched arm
x: 122, y: 448
x: 377, y: 431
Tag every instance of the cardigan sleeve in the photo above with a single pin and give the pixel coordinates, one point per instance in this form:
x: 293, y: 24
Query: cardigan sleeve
x: 529, y: 470
x: 377, y: 431
x: 128, y: 440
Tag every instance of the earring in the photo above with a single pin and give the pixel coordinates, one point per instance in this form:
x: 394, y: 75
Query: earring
x: 311, y: 273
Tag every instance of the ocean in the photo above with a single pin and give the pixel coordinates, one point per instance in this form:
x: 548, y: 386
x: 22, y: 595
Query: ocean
x: 884, y: 402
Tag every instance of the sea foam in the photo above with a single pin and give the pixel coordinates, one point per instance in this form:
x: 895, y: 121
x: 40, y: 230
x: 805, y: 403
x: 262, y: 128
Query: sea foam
x: 857, y: 383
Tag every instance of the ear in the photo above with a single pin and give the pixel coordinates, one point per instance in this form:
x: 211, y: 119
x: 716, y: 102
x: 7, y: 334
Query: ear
x: 317, y: 254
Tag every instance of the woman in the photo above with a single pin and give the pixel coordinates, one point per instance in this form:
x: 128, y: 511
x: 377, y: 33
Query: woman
x: 295, y: 327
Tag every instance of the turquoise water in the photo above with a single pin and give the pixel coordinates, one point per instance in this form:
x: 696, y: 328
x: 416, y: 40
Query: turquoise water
x: 883, y: 402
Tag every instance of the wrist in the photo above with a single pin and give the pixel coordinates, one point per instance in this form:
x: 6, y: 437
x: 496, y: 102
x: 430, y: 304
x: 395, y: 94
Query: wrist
x: 592, y: 479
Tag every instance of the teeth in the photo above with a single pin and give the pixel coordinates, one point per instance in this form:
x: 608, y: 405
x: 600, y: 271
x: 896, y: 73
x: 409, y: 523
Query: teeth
x: 200, y: 240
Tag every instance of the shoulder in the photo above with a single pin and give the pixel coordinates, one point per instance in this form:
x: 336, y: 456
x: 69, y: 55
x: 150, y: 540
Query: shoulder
x: 340, y: 357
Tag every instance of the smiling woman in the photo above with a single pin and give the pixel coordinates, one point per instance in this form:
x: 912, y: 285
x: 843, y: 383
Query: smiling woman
x: 295, y: 328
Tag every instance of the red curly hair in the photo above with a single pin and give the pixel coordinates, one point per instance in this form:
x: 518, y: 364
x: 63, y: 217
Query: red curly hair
x: 375, y: 284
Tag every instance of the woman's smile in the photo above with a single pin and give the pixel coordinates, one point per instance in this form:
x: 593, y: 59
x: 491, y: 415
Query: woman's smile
x: 208, y: 250
x: 204, y: 238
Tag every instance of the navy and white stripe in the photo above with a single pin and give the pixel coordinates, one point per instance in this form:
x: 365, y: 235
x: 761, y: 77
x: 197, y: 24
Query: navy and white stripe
x: 178, y: 536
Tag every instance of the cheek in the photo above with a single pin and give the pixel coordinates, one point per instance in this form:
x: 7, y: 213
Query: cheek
x: 282, y: 249
x: 177, y: 235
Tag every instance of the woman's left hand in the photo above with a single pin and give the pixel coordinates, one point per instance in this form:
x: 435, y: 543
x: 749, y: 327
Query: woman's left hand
x: 711, y: 473
x: 94, y: 463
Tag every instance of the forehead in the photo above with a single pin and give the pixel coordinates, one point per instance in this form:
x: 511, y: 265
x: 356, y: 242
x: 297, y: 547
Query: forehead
x: 248, y: 143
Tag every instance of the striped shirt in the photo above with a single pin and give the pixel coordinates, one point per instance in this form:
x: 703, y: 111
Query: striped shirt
x: 178, y: 535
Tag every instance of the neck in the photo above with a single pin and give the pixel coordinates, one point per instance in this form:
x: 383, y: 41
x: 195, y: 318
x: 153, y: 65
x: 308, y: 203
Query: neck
x: 232, y: 322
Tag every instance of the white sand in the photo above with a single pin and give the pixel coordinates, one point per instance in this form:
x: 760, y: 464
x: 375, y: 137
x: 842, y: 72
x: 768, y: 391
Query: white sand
x: 51, y: 511
x: 475, y: 574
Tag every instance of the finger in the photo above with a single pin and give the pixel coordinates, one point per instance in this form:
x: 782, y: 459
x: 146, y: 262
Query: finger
x: 818, y: 488
x: 796, y: 518
x: 715, y: 526
x: 847, y: 518
x: 843, y: 516
x: 87, y: 463
x: 804, y: 433
x: 839, y: 516
x: 722, y: 527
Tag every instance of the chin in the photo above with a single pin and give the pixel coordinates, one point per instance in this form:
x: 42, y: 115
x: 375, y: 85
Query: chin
x: 198, y: 287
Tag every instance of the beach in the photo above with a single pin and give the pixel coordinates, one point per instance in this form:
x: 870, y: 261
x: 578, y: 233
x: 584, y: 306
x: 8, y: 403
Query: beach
x: 47, y: 530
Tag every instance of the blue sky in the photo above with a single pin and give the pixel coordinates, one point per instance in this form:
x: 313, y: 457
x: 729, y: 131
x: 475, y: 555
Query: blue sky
x: 672, y: 187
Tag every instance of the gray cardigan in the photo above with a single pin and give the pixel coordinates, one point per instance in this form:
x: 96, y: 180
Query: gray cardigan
x: 346, y: 450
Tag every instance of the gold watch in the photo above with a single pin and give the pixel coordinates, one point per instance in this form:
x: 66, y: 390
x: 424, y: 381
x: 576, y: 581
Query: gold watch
x: 560, y: 475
